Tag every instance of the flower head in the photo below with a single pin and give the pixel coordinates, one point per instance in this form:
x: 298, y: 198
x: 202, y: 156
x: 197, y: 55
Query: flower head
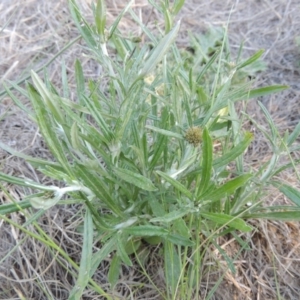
x: 194, y: 135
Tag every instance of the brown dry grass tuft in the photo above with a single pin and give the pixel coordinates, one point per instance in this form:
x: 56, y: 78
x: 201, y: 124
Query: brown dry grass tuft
x: 35, y: 31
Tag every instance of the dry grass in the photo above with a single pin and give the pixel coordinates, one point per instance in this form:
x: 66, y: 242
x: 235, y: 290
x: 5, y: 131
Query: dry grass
x: 36, y: 30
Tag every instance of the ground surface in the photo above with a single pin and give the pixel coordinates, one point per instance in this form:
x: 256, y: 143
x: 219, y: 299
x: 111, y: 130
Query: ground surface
x: 36, y: 31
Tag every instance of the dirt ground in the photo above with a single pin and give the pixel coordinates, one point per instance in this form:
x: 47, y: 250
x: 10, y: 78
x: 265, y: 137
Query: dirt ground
x: 35, y: 31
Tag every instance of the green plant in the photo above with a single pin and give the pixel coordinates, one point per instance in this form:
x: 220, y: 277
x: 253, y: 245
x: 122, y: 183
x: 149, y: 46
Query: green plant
x: 153, y: 151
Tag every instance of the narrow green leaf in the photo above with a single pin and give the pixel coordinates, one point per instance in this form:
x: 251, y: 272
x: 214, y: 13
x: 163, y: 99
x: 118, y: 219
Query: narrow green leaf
x: 165, y: 132
x: 86, y: 258
x: 106, y: 249
x: 226, y: 257
x: 114, y: 270
x: 156, y: 206
x: 179, y: 226
x: 8, y: 208
x: 119, y: 17
x: 207, y: 66
x: 49, y: 99
x: 207, y: 159
x: 265, y: 91
x: 292, y: 193
x: 168, y: 18
x: 172, y: 267
x: 176, y: 184
x: 45, y: 201
x: 82, y: 25
x: 135, y: 179
x: 179, y: 240
x: 75, y: 141
x: 172, y: 216
x: 146, y: 230
x: 294, y: 135
x: 46, y: 127
x: 226, y: 189
x: 79, y: 80
x: 25, y: 182
x: 250, y: 60
x: 64, y: 77
x: 100, y: 19
x: 228, y: 220
x: 159, y: 51
x: 270, y: 122
x: 121, y: 251
x: 16, y: 99
x: 160, y: 146
x: 72, y: 106
x: 287, y: 215
x: 95, y: 109
x: 177, y: 6
x: 96, y: 184
x: 234, y: 152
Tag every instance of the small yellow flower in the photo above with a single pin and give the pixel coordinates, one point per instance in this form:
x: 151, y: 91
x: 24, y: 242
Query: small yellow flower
x: 160, y: 89
x: 223, y: 113
x: 149, y: 79
x: 194, y: 135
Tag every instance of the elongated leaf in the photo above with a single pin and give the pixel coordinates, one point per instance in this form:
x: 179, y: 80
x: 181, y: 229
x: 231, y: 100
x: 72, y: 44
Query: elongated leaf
x: 177, y: 239
x: 179, y: 226
x: 207, y: 66
x: 79, y: 80
x: 168, y: 20
x: 176, y: 184
x: 172, y: 266
x: 25, y: 182
x: 74, y: 134
x: 292, y: 193
x: 234, y: 152
x: 99, y: 188
x: 14, y: 207
x: 146, y: 230
x: 160, y: 50
x: 121, y: 251
x: 173, y: 215
x: 100, y: 18
x: 16, y: 99
x: 294, y: 135
x: 287, y: 215
x: 86, y: 259
x: 226, y: 189
x: 106, y: 249
x: 44, y: 201
x: 135, y: 179
x: 250, y: 60
x: 228, y: 220
x: 160, y: 146
x: 49, y: 99
x: 207, y: 159
x: 64, y: 79
x: 96, y: 111
x: 82, y: 25
x: 177, y: 6
x: 165, y: 132
x: 264, y: 91
x: 46, y: 127
x: 270, y: 122
x: 114, y: 270
x: 229, y: 260
x: 119, y: 17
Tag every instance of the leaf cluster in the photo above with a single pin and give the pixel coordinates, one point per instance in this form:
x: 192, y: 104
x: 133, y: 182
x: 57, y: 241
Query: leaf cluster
x: 121, y: 148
